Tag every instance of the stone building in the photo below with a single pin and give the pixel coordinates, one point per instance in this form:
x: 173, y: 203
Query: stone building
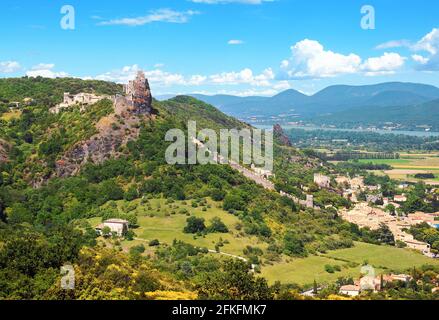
x: 82, y: 99
x: 138, y: 93
x: 118, y: 226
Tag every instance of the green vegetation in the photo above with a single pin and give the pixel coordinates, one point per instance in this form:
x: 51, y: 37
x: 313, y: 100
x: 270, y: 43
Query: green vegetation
x: 184, y: 219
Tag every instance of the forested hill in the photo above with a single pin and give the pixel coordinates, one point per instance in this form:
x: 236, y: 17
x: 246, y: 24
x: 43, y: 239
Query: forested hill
x: 50, y: 91
x: 45, y: 226
x: 409, y: 117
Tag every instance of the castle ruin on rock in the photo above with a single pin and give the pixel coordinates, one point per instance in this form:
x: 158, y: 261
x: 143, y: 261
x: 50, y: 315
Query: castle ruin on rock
x: 138, y: 94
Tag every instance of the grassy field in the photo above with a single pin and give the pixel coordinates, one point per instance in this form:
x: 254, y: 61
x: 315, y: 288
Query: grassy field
x: 156, y: 222
x: 409, y: 165
x: 304, y: 271
x: 382, y: 258
x: 160, y: 224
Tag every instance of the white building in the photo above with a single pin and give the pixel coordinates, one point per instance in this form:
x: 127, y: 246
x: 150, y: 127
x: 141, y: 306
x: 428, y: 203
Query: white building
x: 118, y: 226
x: 350, y: 290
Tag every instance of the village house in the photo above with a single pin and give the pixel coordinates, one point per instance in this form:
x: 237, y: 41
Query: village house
x: 374, y: 198
x: 350, y: 290
x: 118, y: 226
x: 400, y: 198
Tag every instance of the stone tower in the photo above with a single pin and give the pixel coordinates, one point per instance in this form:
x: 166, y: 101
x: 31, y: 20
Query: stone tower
x: 138, y: 93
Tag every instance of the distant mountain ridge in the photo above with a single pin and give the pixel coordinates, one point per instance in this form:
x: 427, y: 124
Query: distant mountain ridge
x: 330, y: 100
x: 422, y: 115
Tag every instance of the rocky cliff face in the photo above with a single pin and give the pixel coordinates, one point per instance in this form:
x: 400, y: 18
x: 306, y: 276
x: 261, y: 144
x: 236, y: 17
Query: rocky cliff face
x: 114, y: 131
x: 280, y: 135
x: 138, y: 94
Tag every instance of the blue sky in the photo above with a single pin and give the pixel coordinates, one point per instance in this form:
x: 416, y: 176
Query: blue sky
x: 244, y: 47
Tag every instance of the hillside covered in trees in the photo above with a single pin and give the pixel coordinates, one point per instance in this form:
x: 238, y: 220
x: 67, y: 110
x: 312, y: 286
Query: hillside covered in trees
x: 46, y: 225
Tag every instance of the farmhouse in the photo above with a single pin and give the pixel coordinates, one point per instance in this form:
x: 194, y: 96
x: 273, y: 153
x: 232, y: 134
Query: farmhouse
x: 350, y: 290
x: 118, y: 226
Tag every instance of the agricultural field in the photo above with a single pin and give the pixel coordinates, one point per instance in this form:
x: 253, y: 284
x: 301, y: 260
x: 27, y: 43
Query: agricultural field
x: 410, y: 164
x: 304, y: 271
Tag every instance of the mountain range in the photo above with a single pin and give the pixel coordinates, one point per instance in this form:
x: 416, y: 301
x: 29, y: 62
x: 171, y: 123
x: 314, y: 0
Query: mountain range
x: 353, y: 102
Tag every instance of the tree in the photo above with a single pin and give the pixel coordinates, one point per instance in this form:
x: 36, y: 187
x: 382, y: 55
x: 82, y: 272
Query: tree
x: 315, y: 289
x: 233, y: 202
x: 384, y: 235
x: 106, y: 232
x: 390, y: 208
x: 293, y: 246
x: 233, y: 282
x: 217, y: 226
x: 194, y: 225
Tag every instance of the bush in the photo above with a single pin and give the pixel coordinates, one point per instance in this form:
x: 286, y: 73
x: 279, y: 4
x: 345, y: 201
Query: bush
x: 194, y: 225
x: 137, y: 249
x: 217, y: 226
x: 329, y: 268
x: 154, y: 243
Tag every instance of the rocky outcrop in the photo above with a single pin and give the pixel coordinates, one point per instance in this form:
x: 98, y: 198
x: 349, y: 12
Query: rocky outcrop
x: 138, y: 94
x: 114, y: 131
x: 280, y: 135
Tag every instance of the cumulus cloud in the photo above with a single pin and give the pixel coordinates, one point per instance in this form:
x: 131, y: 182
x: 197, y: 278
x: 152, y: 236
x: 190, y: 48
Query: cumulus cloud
x: 9, y: 66
x: 310, y: 60
x: 161, y: 15
x: 156, y: 77
x: 235, y: 42
x: 430, y: 45
x: 420, y: 59
x: 244, y: 76
x: 248, y: 82
x: 386, y: 64
x: 45, y: 70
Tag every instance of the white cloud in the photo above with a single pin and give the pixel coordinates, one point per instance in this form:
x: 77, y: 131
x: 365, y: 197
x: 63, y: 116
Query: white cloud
x: 420, y: 59
x: 386, y: 64
x: 247, y: 83
x: 393, y: 44
x: 9, y: 66
x: 310, y: 60
x: 429, y: 43
x: 244, y: 76
x: 156, y: 77
x: 45, y: 70
x: 161, y: 15
x: 235, y: 42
